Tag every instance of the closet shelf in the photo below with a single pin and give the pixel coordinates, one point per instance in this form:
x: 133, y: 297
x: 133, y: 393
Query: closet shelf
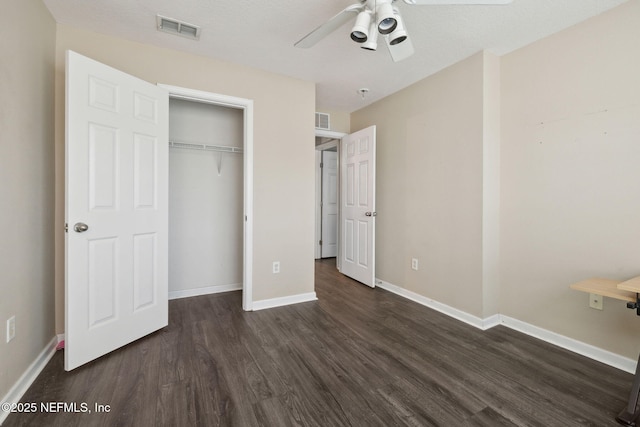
x: 206, y: 147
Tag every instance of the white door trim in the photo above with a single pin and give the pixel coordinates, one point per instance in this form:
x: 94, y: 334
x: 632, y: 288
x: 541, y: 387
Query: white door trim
x: 247, y: 106
x: 335, y: 142
x: 330, y: 134
x: 318, y: 209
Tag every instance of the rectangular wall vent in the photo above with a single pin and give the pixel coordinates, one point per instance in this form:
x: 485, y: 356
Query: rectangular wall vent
x: 178, y: 28
x: 322, y: 121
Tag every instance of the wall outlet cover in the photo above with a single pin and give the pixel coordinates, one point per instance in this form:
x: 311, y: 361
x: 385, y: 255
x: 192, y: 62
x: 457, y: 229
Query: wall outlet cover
x: 596, y: 301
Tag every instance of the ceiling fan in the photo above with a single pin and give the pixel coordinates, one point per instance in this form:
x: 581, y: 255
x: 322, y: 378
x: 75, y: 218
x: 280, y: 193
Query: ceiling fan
x: 380, y: 17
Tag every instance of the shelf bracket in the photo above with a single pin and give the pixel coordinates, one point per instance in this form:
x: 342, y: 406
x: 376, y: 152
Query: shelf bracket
x: 635, y: 305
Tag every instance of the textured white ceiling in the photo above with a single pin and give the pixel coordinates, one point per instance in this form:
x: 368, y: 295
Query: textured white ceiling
x: 261, y: 34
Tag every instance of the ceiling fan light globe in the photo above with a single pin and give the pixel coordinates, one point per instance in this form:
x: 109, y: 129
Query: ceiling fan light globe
x: 387, y: 25
x: 372, y: 41
x: 360, y: 31
x: 398, y: 35
x: 386, y: 20
x: 371, y: 44
x: 358, y: 36
x: 397, y: 40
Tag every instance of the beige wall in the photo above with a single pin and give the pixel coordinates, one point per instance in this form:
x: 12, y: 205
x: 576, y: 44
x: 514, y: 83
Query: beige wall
x: 26, y: 174
x: 510, y: 178
x: 571, y: 177
x: 430, y: 185
x: 283, y: 162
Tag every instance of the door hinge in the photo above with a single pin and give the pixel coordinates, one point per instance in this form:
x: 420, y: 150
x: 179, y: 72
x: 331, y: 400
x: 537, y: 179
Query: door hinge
x: 321, y: 164
x: 66, y: 227
x: 320, y: 242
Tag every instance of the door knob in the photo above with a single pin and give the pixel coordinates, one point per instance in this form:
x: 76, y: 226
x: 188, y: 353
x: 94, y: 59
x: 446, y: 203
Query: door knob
x: 370, y: 213
x: 80, y: 227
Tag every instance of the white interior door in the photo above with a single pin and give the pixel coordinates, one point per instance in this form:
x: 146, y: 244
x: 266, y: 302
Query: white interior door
x: 358, y: 192
x: 329, y: 204
x: 116, y: 209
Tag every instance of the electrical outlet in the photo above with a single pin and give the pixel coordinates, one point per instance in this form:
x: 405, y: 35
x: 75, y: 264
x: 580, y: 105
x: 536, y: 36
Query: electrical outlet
x: 276, y: 267
x: 11, y: 328
x: 596, y: 301
x: 414, y: 264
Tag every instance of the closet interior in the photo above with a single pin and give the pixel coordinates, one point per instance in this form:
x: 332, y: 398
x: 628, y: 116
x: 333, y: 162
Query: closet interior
x: 205, y: 198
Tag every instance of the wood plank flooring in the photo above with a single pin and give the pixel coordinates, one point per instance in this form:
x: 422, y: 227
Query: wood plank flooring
x: 356, y: 357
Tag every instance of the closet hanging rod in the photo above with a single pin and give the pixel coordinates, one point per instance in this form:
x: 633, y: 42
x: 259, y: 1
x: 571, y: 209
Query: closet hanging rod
x: 206, y: 147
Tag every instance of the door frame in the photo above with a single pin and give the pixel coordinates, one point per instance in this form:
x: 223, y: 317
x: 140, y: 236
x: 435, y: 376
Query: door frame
x: 246, y: 105
x: 335, y: 142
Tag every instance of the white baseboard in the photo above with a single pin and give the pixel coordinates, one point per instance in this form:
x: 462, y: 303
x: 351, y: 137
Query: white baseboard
x: 28, y: 377
x: 579, y: 347
x: 205, y: 291
x: 465, y: 317
x: 279, y: 302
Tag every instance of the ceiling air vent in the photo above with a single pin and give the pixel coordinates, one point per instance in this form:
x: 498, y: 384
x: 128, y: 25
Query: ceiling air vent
x: 178, y: 28
x: 322, y: 121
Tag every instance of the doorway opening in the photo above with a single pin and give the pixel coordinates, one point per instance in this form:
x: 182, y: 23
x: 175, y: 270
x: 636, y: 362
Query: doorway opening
x: 327, y: 206
x: 211, y: 194
x: 327, y: 202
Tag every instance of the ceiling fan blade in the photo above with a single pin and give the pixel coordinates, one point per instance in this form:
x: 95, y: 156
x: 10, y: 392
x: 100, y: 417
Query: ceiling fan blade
x: 330, y: 26
x: 400, y: 51
x: 447, y: 2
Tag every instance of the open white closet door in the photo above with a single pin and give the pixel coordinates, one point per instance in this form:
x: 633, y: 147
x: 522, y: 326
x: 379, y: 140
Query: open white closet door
x: 358, y: 193
x: 116, y: 209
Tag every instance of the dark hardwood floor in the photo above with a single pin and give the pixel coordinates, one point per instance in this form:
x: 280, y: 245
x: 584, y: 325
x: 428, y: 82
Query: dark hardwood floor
x: 356, y: 357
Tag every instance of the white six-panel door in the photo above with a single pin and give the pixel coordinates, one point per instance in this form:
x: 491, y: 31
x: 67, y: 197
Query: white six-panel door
x: 116, y: 186
x: 358, y: 172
